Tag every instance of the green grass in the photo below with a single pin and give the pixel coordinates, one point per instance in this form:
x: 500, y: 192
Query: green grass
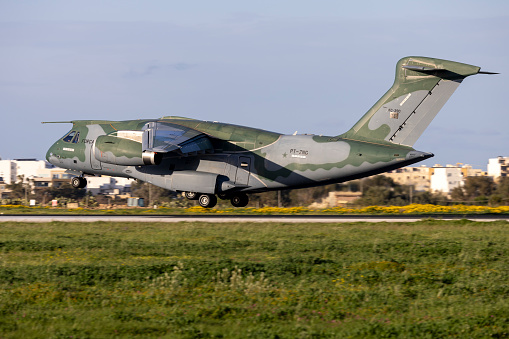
x: 262, y: 280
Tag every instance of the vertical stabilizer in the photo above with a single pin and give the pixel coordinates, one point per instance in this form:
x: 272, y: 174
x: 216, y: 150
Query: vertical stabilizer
x: 422, y: 86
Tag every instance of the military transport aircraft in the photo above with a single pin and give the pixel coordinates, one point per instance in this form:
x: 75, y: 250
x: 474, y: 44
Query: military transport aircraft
x: 206, y: 159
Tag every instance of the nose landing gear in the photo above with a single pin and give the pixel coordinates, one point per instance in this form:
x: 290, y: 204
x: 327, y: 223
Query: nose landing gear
x: 79, y: 182
x: 191, y: 195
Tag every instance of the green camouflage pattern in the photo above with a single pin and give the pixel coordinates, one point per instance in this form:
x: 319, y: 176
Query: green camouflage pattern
x: 191, y: 155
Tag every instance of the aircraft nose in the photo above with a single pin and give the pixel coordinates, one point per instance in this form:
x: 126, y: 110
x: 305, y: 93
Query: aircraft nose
x: 50, y: 153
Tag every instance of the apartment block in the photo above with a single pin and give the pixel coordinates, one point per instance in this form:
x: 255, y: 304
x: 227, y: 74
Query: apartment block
x: 8, y: 171
x: 445, y: 179
x: 419, y: 177
x: 498, y: 167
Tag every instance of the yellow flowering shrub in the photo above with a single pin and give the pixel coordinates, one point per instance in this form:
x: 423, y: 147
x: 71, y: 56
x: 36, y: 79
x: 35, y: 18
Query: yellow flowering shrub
x: 408, y: 209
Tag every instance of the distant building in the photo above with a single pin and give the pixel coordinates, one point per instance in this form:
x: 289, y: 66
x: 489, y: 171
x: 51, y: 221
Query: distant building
x: 8, y: 171
x: 109, y: 185
x: 445, y: 179
x: 419, y: 177
x: 50, y: 177
x: 335, y: 199
x: 435, y: 179
x: 4, y: 191
x: 42, y: 175
x: 468, y: 171
x: 30, y: 168
x: 11, y: 170
x: 498, y: 167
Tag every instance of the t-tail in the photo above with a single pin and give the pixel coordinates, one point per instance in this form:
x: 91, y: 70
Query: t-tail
x: 421, y: 88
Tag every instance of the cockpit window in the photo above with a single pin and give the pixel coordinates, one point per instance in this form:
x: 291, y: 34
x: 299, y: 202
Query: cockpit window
x: 76, y: 138
x: 69, y: 136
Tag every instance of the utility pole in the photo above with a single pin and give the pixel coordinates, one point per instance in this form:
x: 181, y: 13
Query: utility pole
x: 26, y: 185
x: 278, y: 198
x: 149, y: 194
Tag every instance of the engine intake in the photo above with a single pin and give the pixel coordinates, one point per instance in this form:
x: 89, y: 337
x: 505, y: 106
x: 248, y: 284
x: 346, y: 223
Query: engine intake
x: 151, y: 158
x: 124, y: 152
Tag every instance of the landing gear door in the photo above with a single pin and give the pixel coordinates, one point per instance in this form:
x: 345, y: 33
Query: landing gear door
x: 243, y: 171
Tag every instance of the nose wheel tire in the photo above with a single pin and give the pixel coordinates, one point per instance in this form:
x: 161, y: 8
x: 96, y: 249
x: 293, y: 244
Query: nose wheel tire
x: 79, y: 182
x: 239, y: 200
x: 207, y: 200
x: 191, y: 195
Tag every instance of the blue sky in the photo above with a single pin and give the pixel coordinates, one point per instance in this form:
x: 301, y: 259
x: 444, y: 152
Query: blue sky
x: 286, y: 66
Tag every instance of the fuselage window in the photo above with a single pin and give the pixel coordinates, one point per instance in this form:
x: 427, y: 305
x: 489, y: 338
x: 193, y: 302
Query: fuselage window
x: 69, y: 136
x: 76, y: 138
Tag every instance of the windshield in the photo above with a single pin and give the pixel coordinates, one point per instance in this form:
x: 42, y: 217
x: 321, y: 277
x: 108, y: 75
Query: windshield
x: 69, y: 136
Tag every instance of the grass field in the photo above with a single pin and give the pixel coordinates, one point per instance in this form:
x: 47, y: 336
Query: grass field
x: 426, y: 279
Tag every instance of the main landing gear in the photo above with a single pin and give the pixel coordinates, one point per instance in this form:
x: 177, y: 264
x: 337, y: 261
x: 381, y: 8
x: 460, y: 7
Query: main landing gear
x: 239, y: 200
x: 207, y: 200
x: 210, y: 200
x: 79, y: 182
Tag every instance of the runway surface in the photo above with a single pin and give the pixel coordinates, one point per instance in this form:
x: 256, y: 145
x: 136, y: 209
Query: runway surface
x: 244, y: 218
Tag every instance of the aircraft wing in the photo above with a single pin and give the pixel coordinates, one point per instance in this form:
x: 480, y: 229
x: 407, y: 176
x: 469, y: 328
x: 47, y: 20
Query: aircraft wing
x: 164, y: 137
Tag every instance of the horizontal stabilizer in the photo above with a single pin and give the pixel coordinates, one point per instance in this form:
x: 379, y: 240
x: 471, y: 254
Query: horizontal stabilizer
x: 432, y: 69
x: 421, y: 68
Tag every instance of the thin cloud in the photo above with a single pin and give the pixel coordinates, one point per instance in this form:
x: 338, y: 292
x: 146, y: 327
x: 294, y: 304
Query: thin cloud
x: 159, y: 68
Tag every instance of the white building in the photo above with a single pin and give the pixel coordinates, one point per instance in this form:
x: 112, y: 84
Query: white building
x: 42, y: 175
x: 419, y: 177
x: 498, y: 167
x: 445, y: 179
x: 8, y: 171
x: 31, y: 168
x: 469, y: 171
x: 109, y: 185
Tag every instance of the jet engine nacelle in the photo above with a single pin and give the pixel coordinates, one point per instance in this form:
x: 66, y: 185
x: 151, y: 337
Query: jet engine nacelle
x: 125, y: 152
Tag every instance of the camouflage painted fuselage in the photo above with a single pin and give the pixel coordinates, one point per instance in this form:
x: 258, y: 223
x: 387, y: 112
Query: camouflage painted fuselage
x: 252, y: 159
x: 189, y: 155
